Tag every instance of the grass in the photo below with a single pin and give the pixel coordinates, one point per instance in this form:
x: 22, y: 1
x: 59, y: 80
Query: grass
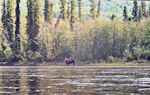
x: 94, y: 64
x: 115, y: 64
x: 81, y: 64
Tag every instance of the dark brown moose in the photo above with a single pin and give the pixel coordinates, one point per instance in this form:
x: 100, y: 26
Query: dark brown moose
x: 139, y: 62
x: 69, y: 61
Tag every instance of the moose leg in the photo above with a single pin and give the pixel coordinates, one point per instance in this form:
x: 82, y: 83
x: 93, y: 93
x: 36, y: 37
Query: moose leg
x: 67, y: 65
x: 140, y: 63
x: 73, y: 63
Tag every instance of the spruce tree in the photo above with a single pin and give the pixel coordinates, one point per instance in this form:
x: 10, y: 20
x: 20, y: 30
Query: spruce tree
x: 29, y: 24
x: 149, y: 10
x: 140, y: 16
x: 29, y: 17
x: 93, y: 9
x: 99, y: 8
x: 135, y: 10
x: 10, y: 24
x: 48, y: 11
x: 80, y: 9
x: 33, y: 23
x: 36, y: 24
x: 51, y: 12
x: 72, y: 19
x: 63, y: 9
x: 3, y: 19
x: 17, y: 31
x: 68, y: 10
x: 125, y: 13
x: 143, y: 5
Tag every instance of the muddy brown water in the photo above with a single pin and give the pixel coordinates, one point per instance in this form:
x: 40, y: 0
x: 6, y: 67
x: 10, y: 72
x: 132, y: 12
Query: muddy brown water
x: 79, y: 80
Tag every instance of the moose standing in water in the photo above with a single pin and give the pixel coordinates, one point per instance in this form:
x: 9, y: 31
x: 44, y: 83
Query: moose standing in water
x: 69, y: 61
x: 139, y: 62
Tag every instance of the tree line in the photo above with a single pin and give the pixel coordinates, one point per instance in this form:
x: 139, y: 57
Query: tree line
x: 71, y: 36
x: 138, y: 12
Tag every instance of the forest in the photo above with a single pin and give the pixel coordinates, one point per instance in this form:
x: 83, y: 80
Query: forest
x: 37, y: 35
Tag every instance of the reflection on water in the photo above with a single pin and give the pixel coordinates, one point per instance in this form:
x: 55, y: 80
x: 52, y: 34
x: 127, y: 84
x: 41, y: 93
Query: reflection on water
x: 75, y: 81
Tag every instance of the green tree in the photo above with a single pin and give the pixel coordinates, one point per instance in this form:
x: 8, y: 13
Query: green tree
x: 125, y: 13
x: 48, y: 11
x: 143, y: 5
x: 80, y: 9
x: 149, y: 10
x: 93, y: 9
x: 137, y: 51
x: 10, y: 24
x: 99, y: 8
x: 4, y: 14
x: 72, y: 19
x: 63, y: 9
x: 135, y: 10
x: 37, y: 13
x: 140, y: 16
x: 34, y: 19
x: 17, y: 31
x: 51, y: 12
x: 29, y: 25
x: 68, y: 10
x: 3, y: 19
x: 127, y: 55
x: 147, y: 40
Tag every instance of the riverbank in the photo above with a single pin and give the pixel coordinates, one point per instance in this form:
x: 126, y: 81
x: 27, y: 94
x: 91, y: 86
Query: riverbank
x: 28, y: 63
x: 82, y: 64
x: 70, y: 67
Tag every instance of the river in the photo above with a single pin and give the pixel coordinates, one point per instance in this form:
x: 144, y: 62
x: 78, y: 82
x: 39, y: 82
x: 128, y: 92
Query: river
x: 79, y: 80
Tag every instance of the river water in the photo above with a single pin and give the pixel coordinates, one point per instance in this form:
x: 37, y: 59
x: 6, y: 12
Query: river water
x: 86, y: 80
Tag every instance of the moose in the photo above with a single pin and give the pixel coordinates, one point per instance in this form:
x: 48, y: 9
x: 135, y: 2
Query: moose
x: 139, y: 62
x: 69, y: 61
